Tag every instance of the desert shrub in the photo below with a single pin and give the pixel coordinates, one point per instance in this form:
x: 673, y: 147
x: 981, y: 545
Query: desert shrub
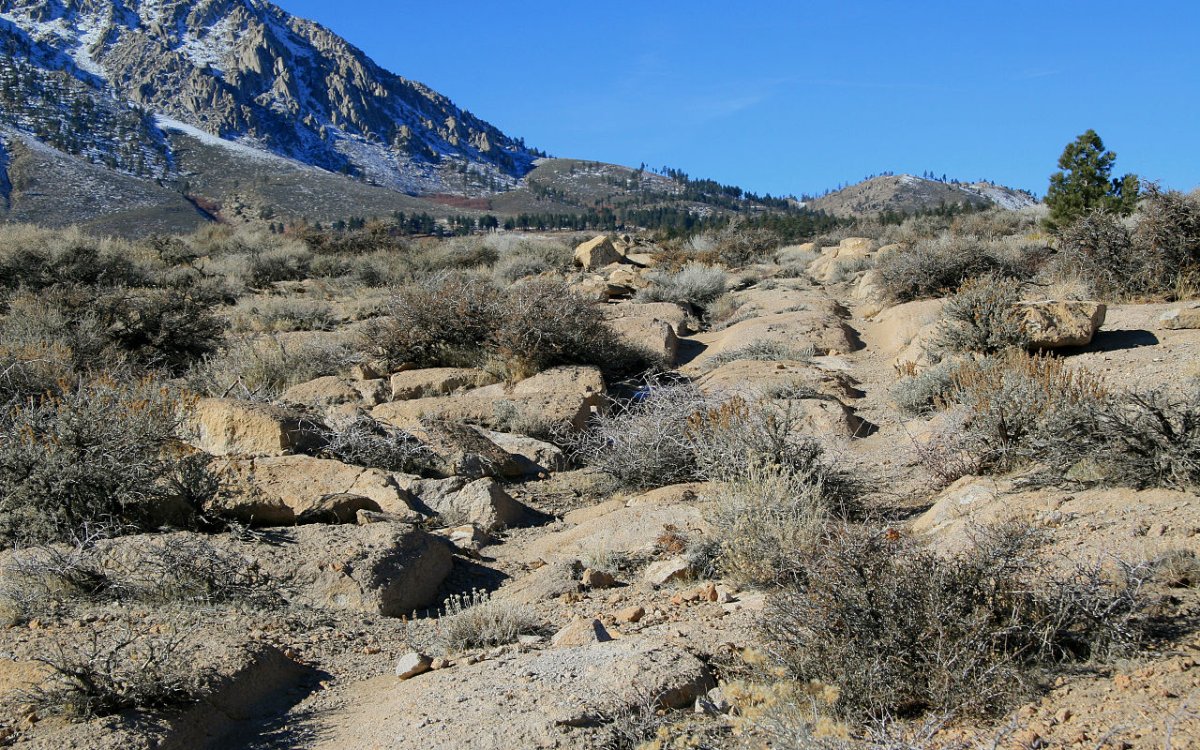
x: 32, y: 368
x: 362, y: 441
x: 767, y: 520
x: 1179, y: 568
x: 513, y: 268
x: 694, y: 285
x: 282, y: 314
x: 163, y: 328
x: 33, y: 259
x: 106, y: 669
x: 458, y: 254
x: 645, y: 442
x: 456, y: 320
x: 263, y: 368
x: 764, y: 351
x: 932, y: 268
x: 919, y: 392
x: 478, y: 621
x: 899, y: 631
x: 1136, y: 440
x: 282, y: 264
x: 1098, y: 247
x: 738, y: 245
x: 95, y: 454
x: 1016, y: 401
x: 981, y: 317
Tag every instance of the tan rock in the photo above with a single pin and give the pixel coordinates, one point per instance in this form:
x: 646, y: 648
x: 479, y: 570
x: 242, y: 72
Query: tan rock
x: 581, y: 633
x: 224, y: 426
x: 630, y: 614
x: 412, y: 664
x: 665, y: 571
x: 665, y: 311
x: 536, y: 456
x: 654, y: 337
x: 437, y: 381
x: 1052, y: 324
x: 463, y: 451
x: 597, y: 579
x: 1185, y: 316
x: 483, y: 503
x: 751, y: 377
x: 285, y: 490
x: 623, y: 531
x: 559, y: 396
x: 597, y: 253
x: 327, y: 391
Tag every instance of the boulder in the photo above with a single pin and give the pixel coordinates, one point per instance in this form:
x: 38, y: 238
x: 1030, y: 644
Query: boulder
x: 654, y: 337
x: 535, y: 456
x: 225, y: 426
x: 624, y: 530
x: 1052, y: 324
x: 327, y: 391
x: 600, y: 289
x: 437, y: 381
x: 483, y: 503
x: 560, y: 396
x: 1185, y: 316
x: 665, y: 311
x: 381, y: 568
x: 665, y: 571
x: 597, y: 253
x: 412, y: 664
x: 581, y: 632
x: 284, y: 490
x: 756, y: 377
x: 459, y: 450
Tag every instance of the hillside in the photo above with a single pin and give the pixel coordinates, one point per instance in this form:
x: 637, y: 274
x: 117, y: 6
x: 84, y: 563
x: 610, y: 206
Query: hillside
x: 907, y: 194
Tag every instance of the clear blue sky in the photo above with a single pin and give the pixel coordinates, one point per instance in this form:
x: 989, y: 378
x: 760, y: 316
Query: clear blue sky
x: 792, y: 97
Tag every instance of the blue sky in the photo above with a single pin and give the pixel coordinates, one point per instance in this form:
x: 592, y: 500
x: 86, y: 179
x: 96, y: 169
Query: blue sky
x: 794, y: 97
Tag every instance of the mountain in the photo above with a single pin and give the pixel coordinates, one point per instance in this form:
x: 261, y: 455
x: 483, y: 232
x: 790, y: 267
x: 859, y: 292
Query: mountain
x: 119, y: 83
x: 907, y: 194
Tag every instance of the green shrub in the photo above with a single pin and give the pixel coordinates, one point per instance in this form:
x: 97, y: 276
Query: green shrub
x: 920, y: 392
x: 899, y: 631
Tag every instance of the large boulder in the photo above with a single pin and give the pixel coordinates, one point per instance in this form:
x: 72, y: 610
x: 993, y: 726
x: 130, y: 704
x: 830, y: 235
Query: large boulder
x: 460, y: 450
x: 561, y: 396
x: 652, y: 336
x: 752, y: 377
x: 597, y: 253
x: 670, y: 312
x: 389, y: 569
x: 483, y: 503
x: 284, y: 490
x: 226, y: 426
x: 1053, y: 324
x: 1184, y: 316
x: 437, y: 381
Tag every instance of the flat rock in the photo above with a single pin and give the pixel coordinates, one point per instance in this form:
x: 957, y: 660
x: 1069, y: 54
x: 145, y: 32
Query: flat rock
x: 1184, y: 316
x: 437, y: 381
x: 581, y: 633
x: 597, y: 253
x: 226, y: 426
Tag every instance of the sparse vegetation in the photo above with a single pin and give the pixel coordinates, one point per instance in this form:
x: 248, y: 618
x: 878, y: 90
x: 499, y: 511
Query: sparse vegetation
x: 981, y: 317
x: 478, y: 621
x: 695, y: 285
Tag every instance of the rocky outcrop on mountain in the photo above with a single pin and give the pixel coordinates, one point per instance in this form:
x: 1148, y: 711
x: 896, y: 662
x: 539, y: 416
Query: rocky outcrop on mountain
x: 105, y: 79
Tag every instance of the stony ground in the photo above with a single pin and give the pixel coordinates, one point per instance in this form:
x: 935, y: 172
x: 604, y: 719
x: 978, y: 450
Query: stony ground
x: 320, y: 672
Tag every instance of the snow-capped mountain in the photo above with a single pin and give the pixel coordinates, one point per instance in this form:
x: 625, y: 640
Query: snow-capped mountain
x: 109, y: 80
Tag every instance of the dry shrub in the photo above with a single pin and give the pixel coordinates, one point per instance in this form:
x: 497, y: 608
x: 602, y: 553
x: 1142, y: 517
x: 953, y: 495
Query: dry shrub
x: 107, y: 669
x: 899, y: 631
x: 917, y: 393
x: 932, y: 268
x: 695, y: 285
x: 764, y: 351
x: 98, y: 453
x: 981, y: 317
x: 282, y: 314
x: 263, y: 368
x: 362, y: 441
x: 462, y: 321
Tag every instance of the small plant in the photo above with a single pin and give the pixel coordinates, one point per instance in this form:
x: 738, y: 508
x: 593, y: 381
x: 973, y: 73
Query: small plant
x: 281, y: 314
x: 1179, y: 568
x: 764, y: 351
x: 263, y: 368
x: 919, y: 393
x: 362, y: 441
x: 476, y: 620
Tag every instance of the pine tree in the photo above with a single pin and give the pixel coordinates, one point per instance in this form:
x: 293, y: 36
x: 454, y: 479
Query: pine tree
x: 1085, y: 183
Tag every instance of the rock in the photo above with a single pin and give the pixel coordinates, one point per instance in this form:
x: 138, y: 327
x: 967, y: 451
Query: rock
x: 669, y: 312
x: 372, y: 392
x: 364, y: 517
x: 437, y: 381
x: 413, y: 664
x: 460, y: 450
x: 752, y: 377
x: 632, y: 531
x: 225, y: 426
x: 381, y: 568
x: 327, y: 391
x: 654, y: 337
x: 581, y: 633
x: 665, y: 571
x: 1185, y: 316
x: 468, y: 538
x: 535, y: 456
x: 548, y: 582
x: 284, y: 490
x: 1050, y: 324
x: 630, y: 614
x: 365, y: 371
x: 600, y: 289
x: 819, y: 331
x: 597, y: 579
x: 597, y: 253
x: 483, y: 503
x: 560, y: 396
x: 626, y: 276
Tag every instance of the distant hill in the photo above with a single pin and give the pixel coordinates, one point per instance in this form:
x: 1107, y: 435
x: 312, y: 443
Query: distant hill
x: 907, y: 194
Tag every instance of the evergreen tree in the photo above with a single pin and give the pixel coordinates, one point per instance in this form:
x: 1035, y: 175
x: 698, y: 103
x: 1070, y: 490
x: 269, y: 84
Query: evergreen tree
x: 1086, y: 182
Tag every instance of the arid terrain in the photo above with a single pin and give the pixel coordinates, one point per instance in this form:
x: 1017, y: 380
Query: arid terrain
x: 570, y: 491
